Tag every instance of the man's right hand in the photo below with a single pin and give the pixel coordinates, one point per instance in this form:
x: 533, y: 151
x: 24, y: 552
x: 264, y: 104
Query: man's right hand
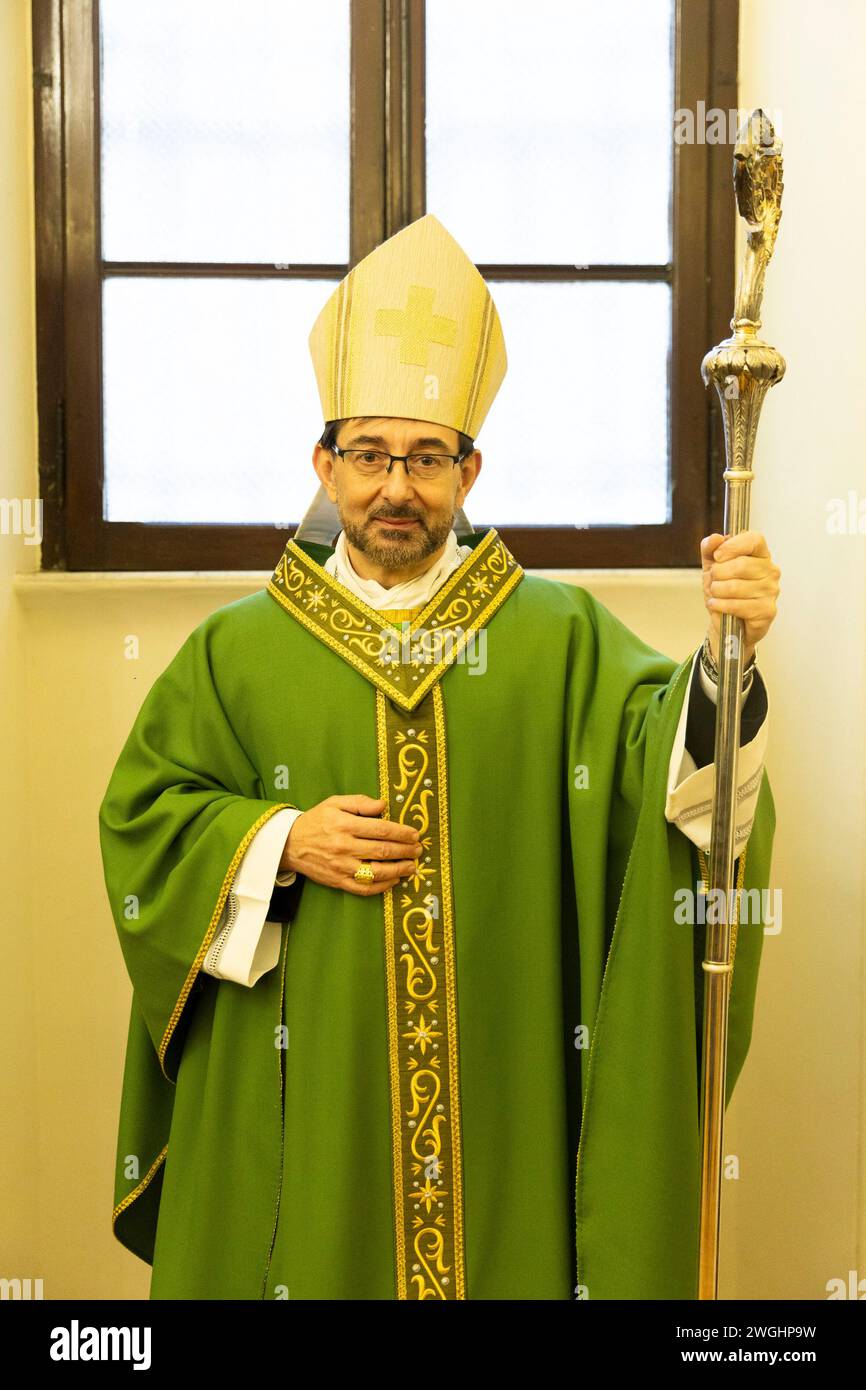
x: 328, y: 842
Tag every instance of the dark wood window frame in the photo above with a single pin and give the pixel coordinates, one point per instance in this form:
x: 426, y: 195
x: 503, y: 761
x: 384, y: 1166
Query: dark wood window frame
x: 387, y: 192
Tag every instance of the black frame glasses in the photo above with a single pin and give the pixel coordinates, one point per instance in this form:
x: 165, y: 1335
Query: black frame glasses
x: 398, y: 458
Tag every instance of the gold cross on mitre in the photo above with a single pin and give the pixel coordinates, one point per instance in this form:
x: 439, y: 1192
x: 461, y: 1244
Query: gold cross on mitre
x: 416, y: 326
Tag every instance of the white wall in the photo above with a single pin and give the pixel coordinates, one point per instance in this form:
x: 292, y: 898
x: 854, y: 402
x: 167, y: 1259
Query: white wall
x: 795, y: 1216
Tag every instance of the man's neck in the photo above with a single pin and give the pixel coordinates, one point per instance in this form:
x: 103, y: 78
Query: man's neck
x: 365, y: 568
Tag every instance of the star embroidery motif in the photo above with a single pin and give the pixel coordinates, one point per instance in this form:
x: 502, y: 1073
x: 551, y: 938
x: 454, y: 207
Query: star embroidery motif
x: 315, y: 600
x: 429, y: 1194
x: 423, y: 1033
x: 418, y: 879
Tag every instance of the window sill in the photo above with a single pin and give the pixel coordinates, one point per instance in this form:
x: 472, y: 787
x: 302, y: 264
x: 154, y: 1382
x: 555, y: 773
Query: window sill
x: 57, y: 583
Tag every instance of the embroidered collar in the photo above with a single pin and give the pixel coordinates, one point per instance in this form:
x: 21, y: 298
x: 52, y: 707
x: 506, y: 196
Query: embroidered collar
x: 394, y: 660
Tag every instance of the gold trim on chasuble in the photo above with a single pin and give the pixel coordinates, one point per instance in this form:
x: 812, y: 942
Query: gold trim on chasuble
x: 465, y: 603
x: 188, y: 983
x: 420, y: 962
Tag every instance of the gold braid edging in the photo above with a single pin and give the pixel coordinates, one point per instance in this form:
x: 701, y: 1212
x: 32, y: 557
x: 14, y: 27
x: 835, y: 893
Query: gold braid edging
x: 184, y: 994
x: 450, y: 973
x: 670, y: 694
x: 391, y: 987
x: 217, y: 913
x: 285, y: 953
x: 137, y: 1191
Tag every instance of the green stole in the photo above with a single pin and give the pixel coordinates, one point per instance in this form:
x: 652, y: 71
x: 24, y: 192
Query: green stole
x: 406, y: 666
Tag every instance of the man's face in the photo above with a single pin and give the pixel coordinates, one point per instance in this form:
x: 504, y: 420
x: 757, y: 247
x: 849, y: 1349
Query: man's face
x: 396, y: 520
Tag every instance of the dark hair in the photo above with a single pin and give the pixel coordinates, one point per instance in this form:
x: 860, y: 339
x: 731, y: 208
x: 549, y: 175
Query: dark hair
x: 329, y: 436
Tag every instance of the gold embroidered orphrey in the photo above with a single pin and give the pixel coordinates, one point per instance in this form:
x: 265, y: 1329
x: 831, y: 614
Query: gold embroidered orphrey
x: 420, y: 958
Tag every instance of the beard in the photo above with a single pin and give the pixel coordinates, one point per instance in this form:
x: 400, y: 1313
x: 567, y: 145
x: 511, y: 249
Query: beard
x: 396, y: 549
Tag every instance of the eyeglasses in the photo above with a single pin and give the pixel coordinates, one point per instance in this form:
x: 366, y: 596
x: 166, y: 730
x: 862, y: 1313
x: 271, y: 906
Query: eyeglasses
x: 371, y: 462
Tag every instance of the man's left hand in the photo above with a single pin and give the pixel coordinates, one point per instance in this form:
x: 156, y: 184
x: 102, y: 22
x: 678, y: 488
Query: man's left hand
x: 740, y: 578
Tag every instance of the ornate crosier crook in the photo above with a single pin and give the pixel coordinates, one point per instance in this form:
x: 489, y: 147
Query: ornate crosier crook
x: 742, y: 369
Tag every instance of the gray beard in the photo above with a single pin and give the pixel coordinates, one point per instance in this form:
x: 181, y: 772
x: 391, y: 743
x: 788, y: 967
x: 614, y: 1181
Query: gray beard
x: 396, y: 554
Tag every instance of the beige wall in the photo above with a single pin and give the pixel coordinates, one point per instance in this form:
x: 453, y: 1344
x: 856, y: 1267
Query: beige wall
x: 801, y: 1110
x: 68, y: 696
x: 21, y: 1109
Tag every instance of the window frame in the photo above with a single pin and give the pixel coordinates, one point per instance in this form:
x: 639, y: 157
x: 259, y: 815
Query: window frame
x: 386, y: 192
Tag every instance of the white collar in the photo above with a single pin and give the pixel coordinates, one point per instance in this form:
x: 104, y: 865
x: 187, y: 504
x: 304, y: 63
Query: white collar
x: 412, y: 593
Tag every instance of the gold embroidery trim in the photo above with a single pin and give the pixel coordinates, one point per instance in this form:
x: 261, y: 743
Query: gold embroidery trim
x: 422, y: 1010
x: 217, y: 913
x: 357, y: 632
x: 137, y: 1191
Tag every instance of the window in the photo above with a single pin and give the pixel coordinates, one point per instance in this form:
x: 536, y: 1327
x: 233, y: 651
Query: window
x: 208, y: 170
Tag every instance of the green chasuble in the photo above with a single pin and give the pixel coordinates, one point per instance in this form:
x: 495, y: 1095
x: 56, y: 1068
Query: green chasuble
x: 403, y: 1107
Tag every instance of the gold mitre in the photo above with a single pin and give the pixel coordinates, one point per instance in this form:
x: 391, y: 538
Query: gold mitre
x: 411, y: 332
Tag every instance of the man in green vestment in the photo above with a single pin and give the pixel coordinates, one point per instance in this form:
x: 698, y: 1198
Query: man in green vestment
x: 429, y: 1029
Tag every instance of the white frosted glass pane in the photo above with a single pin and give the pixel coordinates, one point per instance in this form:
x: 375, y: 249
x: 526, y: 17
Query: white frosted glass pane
x: 210, y: 404
x: 550, y: 129
x: 578, y: 435
x: 225, y: 130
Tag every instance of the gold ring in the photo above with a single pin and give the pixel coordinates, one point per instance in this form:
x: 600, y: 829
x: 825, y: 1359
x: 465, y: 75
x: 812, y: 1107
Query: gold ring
x: 364, y: 872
